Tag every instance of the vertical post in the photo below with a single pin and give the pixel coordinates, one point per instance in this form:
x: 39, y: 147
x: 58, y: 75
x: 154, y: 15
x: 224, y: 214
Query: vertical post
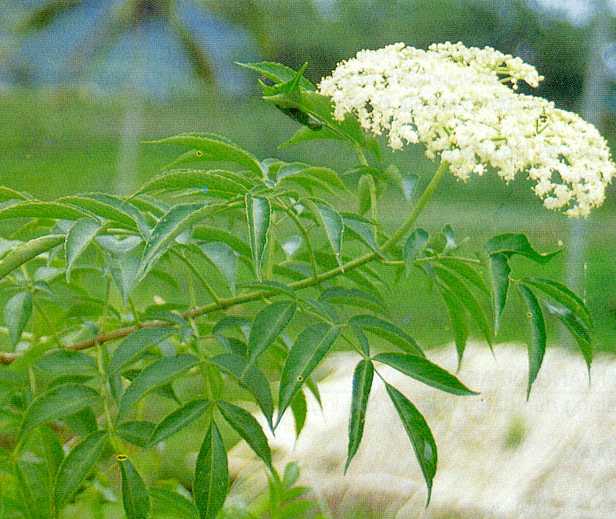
x: 595, y: 90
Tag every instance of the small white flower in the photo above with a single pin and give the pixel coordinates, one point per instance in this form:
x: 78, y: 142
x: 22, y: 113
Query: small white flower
x: 461, y: 104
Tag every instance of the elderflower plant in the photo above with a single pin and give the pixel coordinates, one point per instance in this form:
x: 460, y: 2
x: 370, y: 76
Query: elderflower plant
x: 462, y: 104
x: 128, y: 320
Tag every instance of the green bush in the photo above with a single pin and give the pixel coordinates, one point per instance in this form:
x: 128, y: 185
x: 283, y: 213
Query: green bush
x: 210, y: 287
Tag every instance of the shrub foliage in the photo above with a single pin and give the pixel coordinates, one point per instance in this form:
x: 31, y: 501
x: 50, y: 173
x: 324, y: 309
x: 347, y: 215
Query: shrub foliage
x: 218, y: 287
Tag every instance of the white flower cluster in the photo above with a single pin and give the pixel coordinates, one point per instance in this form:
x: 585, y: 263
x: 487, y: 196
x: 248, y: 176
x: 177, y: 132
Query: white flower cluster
x: 456, y: 101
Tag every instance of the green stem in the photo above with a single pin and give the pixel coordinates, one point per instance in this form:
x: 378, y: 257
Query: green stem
x: 429, y: 259
x: 421, y: 204
x: 225, y: 303
x: 102, y: 371
x: 100, y: 364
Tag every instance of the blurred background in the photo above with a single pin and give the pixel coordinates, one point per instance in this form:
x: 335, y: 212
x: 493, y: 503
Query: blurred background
x: 83, y: 82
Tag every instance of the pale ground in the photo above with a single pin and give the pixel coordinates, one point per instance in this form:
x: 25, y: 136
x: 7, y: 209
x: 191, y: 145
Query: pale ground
x: 499, y: 456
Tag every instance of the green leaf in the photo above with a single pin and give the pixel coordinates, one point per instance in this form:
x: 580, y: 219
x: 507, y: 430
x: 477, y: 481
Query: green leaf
x: 499, y: 273
x: 118, y: 246
x: 212, y: 234
x: 353, y: 297
x: 414, y: 245
x: 108, y: 207
x: 450, y: 238
x: 82, y: 422
x: 215, y: 149
x: 425, y: 371
x: 156, y: 375
x: 299, y: 409
x: 65, y: 363
x: 268, y: 325
x: 562, y: 295
x: 405, y: 182
x: 124, y: 271
x: 135, y: 345
x: 258, y: 214
x: 362, y: 383
x: 13, y: 379
x: 457, y: 318
x: 250, y: 378
x: 310, y: 177
x: 51, y: 450
x: 467, y: 298
x: 466, y: 271
x: 366, y: 194
x: 215, y: 180
x: 37, y: 209
x: 57, y: 403
x: 185, y: 158
x: 333, y: 224
x: 17, y: 313
x: 77, y: 466
x: 179, y: 419
x: 137, y: 432
x: 179, y: 218
x: 135, y: 495
x: 577, y: 328
x: 277, y: 73
x: 514, y: 243
x: 149, y: 204
x: 319, y: 107
x: 361, y: 229
x: 388, y: 331
x: 536, y: 347
x: 248, y: 428
x: 34, y: 487
x: 308, y: 134
x: 224, y: 258
x: 27, y: 251
x: 211, y: 475
x: 6, y: 194
x: 419, y: 433
x: 79, y: 237
x: 172, y: 505
x: 305, y: 354
x: 234, y: 322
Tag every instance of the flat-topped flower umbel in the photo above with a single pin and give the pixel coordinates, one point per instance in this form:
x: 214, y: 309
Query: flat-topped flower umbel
x: 462, y: 104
